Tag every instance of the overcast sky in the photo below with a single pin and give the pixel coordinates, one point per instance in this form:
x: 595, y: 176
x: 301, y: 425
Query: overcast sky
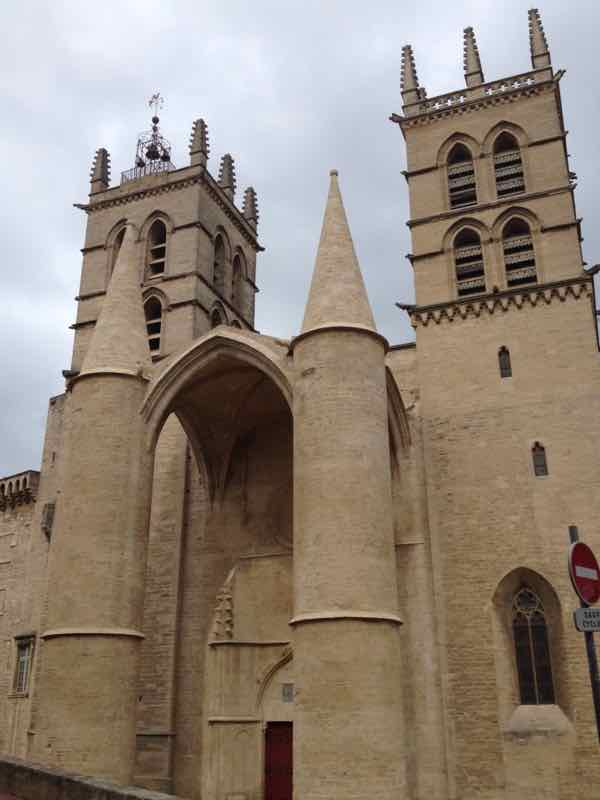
x: 291, y: 89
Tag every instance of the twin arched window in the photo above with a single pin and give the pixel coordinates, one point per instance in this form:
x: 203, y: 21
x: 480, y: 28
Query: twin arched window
x: 518, y: 256
x: 468, y: 260
x: 532, y: 648
x: 508, y: 171
x: 153, y: 313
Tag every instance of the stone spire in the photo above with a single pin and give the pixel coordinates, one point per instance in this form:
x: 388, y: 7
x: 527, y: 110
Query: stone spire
x: 250, y: 207
x: 409, y: 80
x: 100, y: 173
x: 119, y: 341
x: 471, y: 60
x: 227, y: 175
x: 199, y: 146
x: 337, y: 293
x: 538, y: 44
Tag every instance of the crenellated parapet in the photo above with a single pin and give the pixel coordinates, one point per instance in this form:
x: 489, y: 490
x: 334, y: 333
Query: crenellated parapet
x: 19, y: 489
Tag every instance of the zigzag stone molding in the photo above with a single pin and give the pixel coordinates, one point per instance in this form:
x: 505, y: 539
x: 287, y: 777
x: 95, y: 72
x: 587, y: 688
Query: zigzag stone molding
x: 490, y: 304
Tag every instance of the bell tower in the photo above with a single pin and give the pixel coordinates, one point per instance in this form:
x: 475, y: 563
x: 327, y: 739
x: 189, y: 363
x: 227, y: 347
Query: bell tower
x: 195, y: 247
x: 509, y: 382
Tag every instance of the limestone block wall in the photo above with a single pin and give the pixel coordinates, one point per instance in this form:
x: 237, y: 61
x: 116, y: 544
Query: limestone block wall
x: 491, y: 518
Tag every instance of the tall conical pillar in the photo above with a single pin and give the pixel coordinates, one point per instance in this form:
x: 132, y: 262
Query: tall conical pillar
x: 86, y: 717
x: 347, y: 717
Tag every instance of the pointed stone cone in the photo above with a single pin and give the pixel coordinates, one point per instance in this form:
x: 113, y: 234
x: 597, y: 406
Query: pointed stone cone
x: 337, y: 292
x: 119, y: 342
x: 538, y: 44
x: 471, y: 60
x: 199, y: 146
x: 227, y: 175
x: 100, y: 173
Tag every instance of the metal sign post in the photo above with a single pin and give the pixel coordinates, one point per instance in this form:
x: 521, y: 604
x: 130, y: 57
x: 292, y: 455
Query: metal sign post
x: 587, y: 620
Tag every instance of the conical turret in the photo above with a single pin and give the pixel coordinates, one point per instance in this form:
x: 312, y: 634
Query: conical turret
x: 538, y: 44
x: 250, y: 207
x: 409, y: 80
x: 227, y: 175
x: 119, y: 342
x: 337, y: 291
x: 100, y: 173
x: 471, y: 60
x: 199, y: 146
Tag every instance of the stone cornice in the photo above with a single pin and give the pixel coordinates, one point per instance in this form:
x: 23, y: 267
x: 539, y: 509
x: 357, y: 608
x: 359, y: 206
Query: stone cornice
x: 204, y: 178
x: 512, y: 200
x: 500, y: 301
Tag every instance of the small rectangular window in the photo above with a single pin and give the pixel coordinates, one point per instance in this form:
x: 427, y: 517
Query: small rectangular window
x: 23, y: 664
x: 504, y: 362
x: 540, y: 463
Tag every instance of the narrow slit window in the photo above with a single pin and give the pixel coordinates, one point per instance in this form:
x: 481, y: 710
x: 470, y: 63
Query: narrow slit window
x: 157, y: 249
x: 508, y: 166
x: 519, y: 256
x: 462, y: 188
x: 532, y: 649
x: 540, y: 463
x: 153, y: 314
x: 504, y: 362
x: 23, y: 665
x: 468, y: 260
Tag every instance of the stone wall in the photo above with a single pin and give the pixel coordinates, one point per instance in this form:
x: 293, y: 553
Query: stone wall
x: 29, y: 781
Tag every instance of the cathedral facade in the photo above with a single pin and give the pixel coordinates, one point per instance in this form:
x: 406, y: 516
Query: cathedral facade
x: 330, y: 567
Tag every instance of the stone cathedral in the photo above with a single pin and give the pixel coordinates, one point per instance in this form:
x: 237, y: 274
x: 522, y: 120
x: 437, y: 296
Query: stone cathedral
x: 331, y: 567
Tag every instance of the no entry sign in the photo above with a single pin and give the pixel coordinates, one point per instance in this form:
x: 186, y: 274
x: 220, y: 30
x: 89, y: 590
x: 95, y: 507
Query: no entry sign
x: 584, y: 572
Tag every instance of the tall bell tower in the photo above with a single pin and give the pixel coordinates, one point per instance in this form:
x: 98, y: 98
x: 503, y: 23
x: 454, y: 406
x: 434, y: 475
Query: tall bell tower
x: 509, y: 381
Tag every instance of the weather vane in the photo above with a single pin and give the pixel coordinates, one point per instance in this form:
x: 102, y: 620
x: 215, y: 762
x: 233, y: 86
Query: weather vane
x: 158, y: 101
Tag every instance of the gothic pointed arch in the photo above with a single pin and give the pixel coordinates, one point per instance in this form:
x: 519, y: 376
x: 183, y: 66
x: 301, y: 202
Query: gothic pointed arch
x: 114, y: 240
x: 238, y: 279
x: 221, y: 259
x: 504, y: 127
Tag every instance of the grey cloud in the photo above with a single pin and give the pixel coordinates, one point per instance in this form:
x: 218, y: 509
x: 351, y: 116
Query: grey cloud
x: 291, y: 89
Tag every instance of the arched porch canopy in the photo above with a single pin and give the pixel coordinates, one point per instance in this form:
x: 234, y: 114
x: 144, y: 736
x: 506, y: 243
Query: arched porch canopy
x: 219, y: 387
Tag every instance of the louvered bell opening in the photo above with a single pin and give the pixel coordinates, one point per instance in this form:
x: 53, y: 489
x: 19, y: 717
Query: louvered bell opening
x: 508, y: 166
x: 462, y: 189
x: 519, y: 256
x: 470, y: 276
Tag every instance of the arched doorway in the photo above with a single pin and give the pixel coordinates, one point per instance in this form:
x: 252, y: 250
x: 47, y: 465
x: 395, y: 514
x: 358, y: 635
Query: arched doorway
x: 232, y: 399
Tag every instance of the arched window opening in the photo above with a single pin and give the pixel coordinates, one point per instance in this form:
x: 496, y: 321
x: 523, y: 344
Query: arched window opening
x: 157, y: 249
x: 235, y: 324
x: 219, y: 265
x: 10, y: 491
x: 504, y: 362
x: 532, y: 649
x: 540, y: 462
x: 216, y: 318
x: 462, y: 188
x: 236, y: 284
x: 508, y: 166
x: 153, y: 312
x: 519, y: 257
x: 468, y: 259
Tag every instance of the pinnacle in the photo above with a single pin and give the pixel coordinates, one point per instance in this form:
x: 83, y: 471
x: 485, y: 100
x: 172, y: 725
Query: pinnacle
x: 409, y: 78
x: 119, y: 340
x: 471, y: 60
x: 337, y: 291
x: 227, y: 175
x: 250, y: 207
x: 100, y: 172
x: 538, y: 44
x: 199, y: 146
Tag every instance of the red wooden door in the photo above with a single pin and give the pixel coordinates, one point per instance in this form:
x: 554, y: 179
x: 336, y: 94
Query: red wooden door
x: 278, y: 761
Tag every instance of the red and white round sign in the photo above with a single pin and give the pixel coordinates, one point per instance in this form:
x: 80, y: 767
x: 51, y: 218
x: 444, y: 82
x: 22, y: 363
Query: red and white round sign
x: 584, y: 572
